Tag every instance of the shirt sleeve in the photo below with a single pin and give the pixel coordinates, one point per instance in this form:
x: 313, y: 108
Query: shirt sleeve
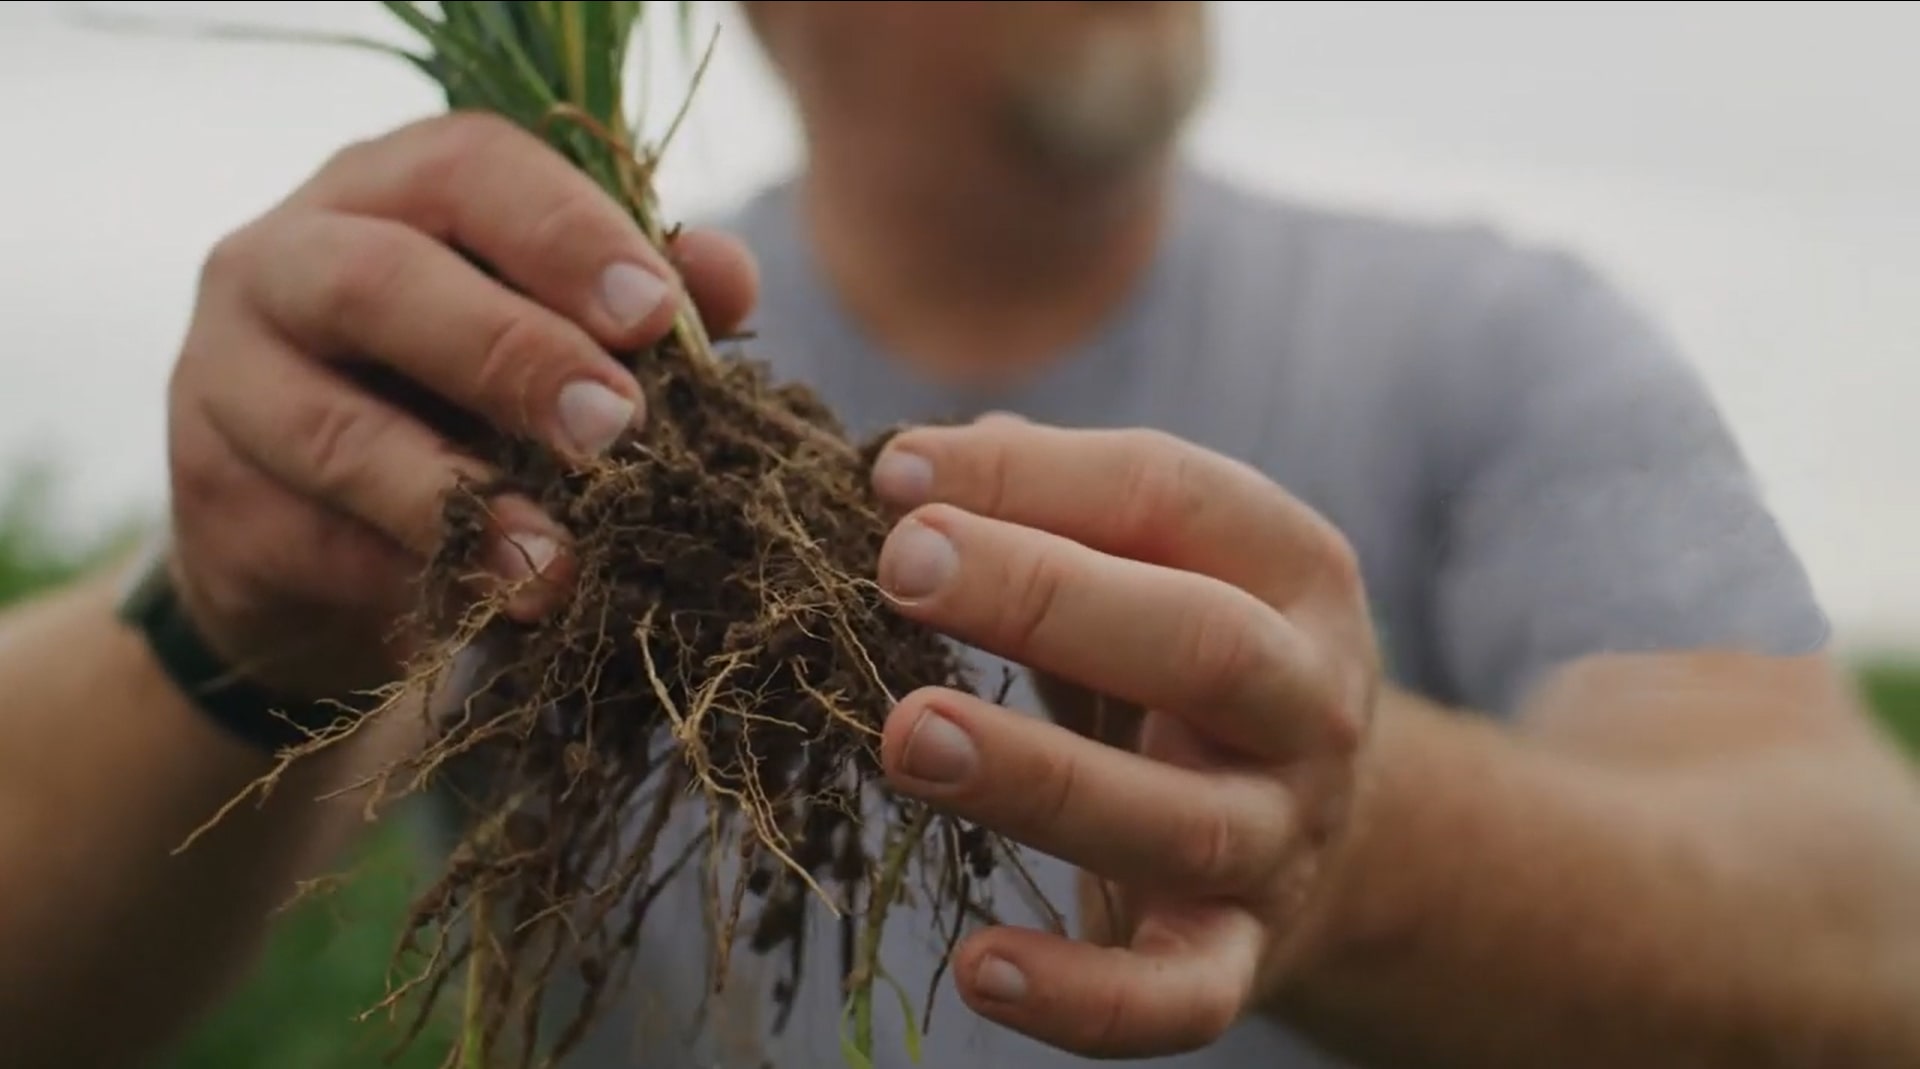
x: 1594, y: 500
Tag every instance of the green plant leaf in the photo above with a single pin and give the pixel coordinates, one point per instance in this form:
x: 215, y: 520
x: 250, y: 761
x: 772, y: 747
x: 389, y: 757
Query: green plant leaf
x: 850, y: 1051
x: 906, y: 1015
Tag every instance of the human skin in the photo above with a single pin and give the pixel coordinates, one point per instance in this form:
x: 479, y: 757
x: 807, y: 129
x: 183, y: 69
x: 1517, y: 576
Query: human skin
x: 303, y: 504
x: 1646, y: 870
x: 1600, y: 872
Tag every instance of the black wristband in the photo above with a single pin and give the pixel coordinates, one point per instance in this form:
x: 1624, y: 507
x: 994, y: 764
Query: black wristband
x: 242, y: 708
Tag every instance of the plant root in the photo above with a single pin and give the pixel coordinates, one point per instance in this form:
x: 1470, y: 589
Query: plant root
x: 721, y: 647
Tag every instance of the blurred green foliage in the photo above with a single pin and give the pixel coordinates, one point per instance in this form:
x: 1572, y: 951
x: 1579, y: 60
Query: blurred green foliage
x: 33, y: 555
x: 325, y: 968
x: 1894, y: 690
x: 328, y: 961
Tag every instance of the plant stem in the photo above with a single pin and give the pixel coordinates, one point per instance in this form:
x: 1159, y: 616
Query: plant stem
x: 473, y: 1011
x: 473, y: 1025
x: 886, y: 888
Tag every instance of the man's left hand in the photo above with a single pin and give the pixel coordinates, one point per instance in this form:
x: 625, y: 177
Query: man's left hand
x: 1144, y: 569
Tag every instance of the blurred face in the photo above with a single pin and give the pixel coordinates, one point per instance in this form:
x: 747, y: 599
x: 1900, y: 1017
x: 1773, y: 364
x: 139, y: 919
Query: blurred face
x: 1081, y: 86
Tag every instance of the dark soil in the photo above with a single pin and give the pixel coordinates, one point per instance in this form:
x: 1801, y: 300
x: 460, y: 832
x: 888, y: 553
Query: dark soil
x: 724, y: 647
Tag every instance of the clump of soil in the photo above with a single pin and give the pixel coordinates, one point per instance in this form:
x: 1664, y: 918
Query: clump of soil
x: 724, y: 647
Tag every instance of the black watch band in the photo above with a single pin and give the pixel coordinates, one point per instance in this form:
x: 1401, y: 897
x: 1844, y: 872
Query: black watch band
x: 244, y: 709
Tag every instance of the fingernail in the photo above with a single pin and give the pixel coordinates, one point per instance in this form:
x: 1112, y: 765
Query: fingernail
x: 916, y: 561
x: 593, y: 417
x: 630, y: 293
x: 1000, y: 980
x: 523, y: 556
x: 938, y: 751
x: 902, y: 477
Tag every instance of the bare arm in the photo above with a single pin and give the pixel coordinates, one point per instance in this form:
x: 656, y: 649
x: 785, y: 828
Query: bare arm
x: 104, y: 772
x: 1683, y: 860
x: 1672, y: 860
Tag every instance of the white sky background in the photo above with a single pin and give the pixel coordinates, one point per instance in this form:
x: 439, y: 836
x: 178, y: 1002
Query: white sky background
x: 1750, y: 171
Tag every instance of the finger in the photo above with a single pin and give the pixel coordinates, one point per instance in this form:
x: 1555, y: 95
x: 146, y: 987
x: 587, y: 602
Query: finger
x: 352, y: 286
x: 1040, y: 784
x: 492, y: 189
x: 1188, y: 644
x: 317, y: 556
x: 720, y: 273
x: 313, y: 433
x: 344, y: 577
x: 1133, y: 493
x: 1185, y: 979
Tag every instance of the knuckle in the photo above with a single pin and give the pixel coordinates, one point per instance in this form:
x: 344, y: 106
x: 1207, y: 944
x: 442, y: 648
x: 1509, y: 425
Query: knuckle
x: 992, y: 471
x: 1037, y: 580
x: 1339, y: 564
x: 237, y: 256
x: 1333, y: 694
x: 338, y: 443
x: 1157, y: 483
x: 1209, y: 851
x: 572, y: 222
x: 363, y: 270
x: 525, y: 352
x: 442, y: 156
x: 1343, y: 721
x: 348, y: 159
x: 228, y: 259
x: 1055, y: 789
x: 1107, y: 1024
x: 1225, y: 643
x: 458, y: 141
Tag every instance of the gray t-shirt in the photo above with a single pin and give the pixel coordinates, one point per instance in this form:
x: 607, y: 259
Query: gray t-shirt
x: 1527, y: 470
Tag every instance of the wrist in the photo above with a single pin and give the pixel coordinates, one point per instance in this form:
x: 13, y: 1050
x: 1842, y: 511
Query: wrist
x: 1379, y: 886
x: 152, y: 605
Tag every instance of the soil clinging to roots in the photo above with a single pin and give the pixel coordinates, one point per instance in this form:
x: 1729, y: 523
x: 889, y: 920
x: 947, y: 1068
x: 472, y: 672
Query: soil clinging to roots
x: 725, y: 647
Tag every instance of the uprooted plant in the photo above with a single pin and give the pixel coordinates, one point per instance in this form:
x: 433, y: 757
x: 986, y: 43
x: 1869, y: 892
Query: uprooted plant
x: 722, y: 660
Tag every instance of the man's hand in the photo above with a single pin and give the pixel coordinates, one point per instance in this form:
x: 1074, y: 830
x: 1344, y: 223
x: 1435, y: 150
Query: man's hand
x: 304, y: 497
x: 1145, y: 569
x: 1410, y: 886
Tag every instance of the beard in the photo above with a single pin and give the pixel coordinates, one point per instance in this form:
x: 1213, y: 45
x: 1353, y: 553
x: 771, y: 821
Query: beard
x: 1117, y: 98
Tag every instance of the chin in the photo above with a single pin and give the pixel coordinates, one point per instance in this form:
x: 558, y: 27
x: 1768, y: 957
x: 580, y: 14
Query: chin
x: 1116, y: 99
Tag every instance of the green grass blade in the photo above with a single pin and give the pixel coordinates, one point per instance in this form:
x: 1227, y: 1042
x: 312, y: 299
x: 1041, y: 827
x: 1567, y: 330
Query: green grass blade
x: 907, y: 1015
x: 512, y: 38
x: 602, y: 57
x: 572, y: 23
x: 415, y: 19
x: 850, y: 1053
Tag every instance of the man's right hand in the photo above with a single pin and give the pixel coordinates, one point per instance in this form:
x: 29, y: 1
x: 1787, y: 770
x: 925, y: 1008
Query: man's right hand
x: 305, y: 501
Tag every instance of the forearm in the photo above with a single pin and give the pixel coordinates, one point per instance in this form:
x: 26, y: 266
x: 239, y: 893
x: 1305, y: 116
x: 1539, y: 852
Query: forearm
x: 1598, y: 891
x: 104, y: 772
